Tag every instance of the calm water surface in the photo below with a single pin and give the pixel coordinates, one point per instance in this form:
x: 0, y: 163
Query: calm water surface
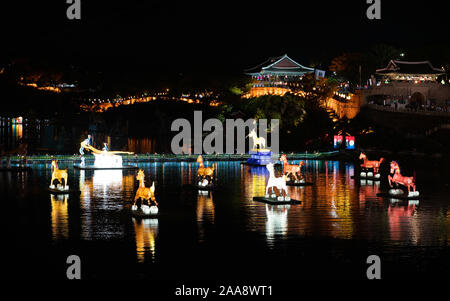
x: 224, y: 233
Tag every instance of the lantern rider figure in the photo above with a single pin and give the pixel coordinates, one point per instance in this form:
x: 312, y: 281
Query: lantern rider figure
x: 85, y: 142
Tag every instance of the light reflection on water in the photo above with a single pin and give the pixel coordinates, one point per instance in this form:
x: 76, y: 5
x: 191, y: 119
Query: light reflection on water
x: 336, y: 206
x: 59, y: 216
x: 205, y: 212
x: 146, y: 231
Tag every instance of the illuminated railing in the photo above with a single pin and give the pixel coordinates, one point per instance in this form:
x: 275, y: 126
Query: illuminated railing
x: 44, y: 159
x: 408, y: 111
x: 104, y: 105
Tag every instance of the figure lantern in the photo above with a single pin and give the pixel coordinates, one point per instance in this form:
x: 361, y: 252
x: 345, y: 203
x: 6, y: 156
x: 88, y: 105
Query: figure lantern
x: 292, y: 170
x: 375, y: 165
x: 61, y: 176
x: 279, y: 183
x: 259, y: 142
x: 205, y: 175
x: 104, y: 159
x: 397, y: 178
x: 144, y: 202
x: 259, y: 154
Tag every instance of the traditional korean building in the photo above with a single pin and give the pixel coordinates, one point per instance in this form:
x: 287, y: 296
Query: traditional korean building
x: 405, y: 85
x: 276, y: 76
x: 409, y: 71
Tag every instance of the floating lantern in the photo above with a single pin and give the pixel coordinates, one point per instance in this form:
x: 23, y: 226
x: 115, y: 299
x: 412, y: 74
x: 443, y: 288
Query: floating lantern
x: 368, y: 164
x: 397, y: 178
x: 146, y: 195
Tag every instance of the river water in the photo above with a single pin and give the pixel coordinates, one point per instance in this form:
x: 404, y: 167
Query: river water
x: 224, y: 234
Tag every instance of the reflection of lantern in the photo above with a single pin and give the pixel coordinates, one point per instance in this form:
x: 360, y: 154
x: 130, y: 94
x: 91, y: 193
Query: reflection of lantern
x: 350, y: 142
x: 337, y: 141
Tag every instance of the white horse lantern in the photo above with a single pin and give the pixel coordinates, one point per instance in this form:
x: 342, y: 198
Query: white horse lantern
x: 279, y: 183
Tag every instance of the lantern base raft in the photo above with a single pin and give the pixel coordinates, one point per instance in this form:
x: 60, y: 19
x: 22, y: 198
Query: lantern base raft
x: 60, y: 189
x: 205, y: 184
x: 299, y: 183
x: 367, y: 176
x: 276, y: 200
x: 145, y: 211
x: 400, y: 194
x: 259, y: 157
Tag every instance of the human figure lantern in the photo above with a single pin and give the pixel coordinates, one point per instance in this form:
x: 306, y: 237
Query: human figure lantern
x: 292, y: 170
x: 146, y: 196
x: 60, y: 175
x: 279, y: 183
x: 103, y: 158
x: 368, y: 164
x: 205, y: 175
x: 397, y: 178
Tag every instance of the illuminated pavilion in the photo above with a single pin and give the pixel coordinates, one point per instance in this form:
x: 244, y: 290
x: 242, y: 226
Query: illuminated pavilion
x: 409, y: 71
x: 404, y: 83
x: 276, y: 76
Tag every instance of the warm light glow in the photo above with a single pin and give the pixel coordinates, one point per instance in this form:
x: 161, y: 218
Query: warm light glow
x: 106, y: 161
x: 146, y: 232
x: 59, y: 216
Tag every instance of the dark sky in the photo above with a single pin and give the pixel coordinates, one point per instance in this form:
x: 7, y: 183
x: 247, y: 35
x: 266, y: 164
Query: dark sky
x: 228, y: 35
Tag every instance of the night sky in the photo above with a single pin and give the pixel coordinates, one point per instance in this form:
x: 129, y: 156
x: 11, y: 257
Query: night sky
x: 226, y: 36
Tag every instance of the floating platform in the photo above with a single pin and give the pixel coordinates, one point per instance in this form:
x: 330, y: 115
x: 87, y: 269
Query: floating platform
x: 16, y: 169
x: 259, y: 157
x: 366, y: 178
x: 140, y: 213
x: 399, y: 196
x: 207, y: 187
x: 93, y: 167
x: 275, y: 201
x: 291, y: 183
x: 57, y: 191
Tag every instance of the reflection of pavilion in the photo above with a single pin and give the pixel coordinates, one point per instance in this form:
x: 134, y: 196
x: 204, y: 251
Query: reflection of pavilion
x: 146, y: 231
x: 59, y: 216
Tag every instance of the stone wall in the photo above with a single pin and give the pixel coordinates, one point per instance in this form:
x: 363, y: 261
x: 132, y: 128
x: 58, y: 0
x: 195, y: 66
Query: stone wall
x: 400, y: 90
x: 346, y: 108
